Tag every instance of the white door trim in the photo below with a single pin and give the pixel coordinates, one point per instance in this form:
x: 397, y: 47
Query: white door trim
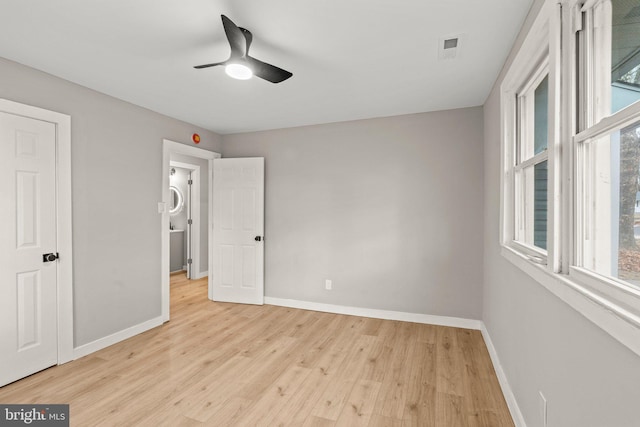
x: 195, y: 216
x: 169, y: 147
x: 64, y: 226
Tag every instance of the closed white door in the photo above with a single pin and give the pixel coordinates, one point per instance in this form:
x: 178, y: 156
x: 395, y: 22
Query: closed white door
x: 28, y: 289
x: 238, y: 230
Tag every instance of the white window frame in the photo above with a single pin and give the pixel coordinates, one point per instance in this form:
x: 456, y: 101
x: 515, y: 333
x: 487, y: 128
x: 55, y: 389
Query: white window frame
x: 539, y: 56
x: 524, y: 115
x: 611, y: 304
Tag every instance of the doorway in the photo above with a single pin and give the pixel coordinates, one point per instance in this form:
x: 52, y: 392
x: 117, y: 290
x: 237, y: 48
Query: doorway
x: 185, y: 222
x: 182, y: 154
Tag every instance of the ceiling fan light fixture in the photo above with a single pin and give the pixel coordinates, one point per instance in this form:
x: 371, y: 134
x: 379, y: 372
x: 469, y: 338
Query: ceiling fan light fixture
x: 238, y: 71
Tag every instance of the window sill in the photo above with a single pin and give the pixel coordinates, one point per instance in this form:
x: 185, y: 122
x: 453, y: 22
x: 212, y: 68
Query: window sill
x: 620, y: 321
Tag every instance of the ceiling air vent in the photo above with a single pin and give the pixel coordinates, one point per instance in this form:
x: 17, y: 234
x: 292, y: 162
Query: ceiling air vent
x: 449, y: 47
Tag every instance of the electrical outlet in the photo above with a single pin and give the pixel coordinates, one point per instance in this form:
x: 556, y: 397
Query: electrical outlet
x: 543, y: 409
x: 328, y: 284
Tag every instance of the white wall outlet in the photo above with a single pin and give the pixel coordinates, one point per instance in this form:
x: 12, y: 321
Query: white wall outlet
x: 543, y: 409
x: 328, y: 284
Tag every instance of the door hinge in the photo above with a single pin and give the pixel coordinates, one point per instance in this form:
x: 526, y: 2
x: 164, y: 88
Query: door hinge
x: 190, y: 182
x: 189, y: 261
x: 189, y: 221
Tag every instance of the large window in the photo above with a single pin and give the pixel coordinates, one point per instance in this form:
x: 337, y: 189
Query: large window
x: 571, y: 158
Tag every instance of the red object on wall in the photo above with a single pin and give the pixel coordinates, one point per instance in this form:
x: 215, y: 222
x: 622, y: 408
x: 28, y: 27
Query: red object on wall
x: 196, y: 138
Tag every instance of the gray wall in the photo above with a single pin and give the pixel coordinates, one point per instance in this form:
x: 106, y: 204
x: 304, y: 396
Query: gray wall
x: 588, y: 378
x: 116, y: 150
x: 204, y: 205
x: 390, y: 209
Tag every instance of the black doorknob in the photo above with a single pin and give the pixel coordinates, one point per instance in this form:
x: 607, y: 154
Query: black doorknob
x: 258, y: 238
x: 49, y: 257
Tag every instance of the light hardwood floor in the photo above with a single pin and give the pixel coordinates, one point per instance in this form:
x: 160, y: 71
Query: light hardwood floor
x: 219, y: 364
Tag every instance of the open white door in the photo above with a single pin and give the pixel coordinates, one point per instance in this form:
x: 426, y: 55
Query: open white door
x: 189, y: 229
x: 238, y: 231
x: 28, y: 245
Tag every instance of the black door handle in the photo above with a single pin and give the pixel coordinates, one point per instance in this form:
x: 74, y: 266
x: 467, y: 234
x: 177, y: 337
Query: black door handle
x: 258, y: 238
x: 50, y: 257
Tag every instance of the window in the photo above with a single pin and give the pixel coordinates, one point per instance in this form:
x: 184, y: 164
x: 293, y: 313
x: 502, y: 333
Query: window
x: 608, y: 156
x: 531, y: 163
x: 528, y: 108
x: 571, y: 159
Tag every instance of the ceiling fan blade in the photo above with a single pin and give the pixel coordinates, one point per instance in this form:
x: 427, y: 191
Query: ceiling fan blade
x: 248, y: 37
x: 267, y: 71
x: 209, y: 65
x: 236, y: 38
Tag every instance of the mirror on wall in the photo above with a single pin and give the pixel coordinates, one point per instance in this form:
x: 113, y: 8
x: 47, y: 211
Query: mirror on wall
x: 176, y: 200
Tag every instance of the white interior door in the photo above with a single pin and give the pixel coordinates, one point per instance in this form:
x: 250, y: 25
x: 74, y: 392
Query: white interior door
x: 189, y: 226
x: 28, y: 288
x: 238, y: 230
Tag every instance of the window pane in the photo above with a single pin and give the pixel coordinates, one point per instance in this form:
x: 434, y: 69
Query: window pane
x: 533, y: 119
x: 531, y: 220
x: 541, y: 116
x: 611, y: 202
x: 540, y: 206
x: 625, y: 54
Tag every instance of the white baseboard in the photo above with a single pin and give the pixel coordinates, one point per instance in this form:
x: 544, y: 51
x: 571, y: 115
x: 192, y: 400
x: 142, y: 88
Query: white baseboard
x: 101, y: 343
x: 518, y: 419
x: 456, y: 322
x: 201, y: 275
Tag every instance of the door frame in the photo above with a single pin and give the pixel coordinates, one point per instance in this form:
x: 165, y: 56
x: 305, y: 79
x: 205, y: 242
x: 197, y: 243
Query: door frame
x: 171, y: 147
x: 64, y: 225
x: 194, y: 201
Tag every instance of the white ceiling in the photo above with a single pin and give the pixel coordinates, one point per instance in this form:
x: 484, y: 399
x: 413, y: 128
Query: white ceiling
x: 350, y: 59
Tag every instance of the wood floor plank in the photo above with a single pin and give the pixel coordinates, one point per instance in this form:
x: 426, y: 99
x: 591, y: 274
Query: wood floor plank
x: 450, y: 363
x: 221, y: 364
x: 314, y: 421
x: 392, y: 397
x: 273, y: 400
x: 335, y: 396
x: 450, y: 410
x: 299, y: 406
x: 420, y: 402
x: 359, y: 405
x: 380, y: 421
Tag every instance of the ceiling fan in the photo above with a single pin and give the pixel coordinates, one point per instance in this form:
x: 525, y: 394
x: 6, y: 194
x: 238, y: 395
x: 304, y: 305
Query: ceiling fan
x: 242, y: 66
